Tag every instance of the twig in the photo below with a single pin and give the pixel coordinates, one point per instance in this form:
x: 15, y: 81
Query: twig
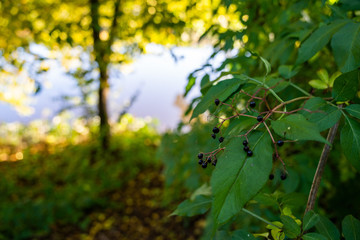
x: 260, y: 218
x: 320, y: 168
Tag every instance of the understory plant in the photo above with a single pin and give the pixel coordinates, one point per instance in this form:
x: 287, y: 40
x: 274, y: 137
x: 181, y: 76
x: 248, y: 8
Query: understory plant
x: 276, y: 111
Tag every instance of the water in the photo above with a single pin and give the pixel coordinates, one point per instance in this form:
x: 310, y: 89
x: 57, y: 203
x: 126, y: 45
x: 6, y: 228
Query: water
x: 157, y: 77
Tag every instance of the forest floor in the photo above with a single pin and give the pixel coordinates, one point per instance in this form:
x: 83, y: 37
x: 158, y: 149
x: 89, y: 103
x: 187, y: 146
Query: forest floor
x: 140, y: 216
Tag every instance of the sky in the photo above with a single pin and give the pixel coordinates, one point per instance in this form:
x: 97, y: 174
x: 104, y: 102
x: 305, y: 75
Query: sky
x: 157, y: 77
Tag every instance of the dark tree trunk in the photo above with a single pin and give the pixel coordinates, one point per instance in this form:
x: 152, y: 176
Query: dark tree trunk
x: 102, y: 58
x: 103, y: 114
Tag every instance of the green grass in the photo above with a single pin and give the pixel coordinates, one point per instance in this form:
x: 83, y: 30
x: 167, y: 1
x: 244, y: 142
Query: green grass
x: 64, y: 183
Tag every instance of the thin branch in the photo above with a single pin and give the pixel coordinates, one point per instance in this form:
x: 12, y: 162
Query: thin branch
x: 114, y: 24
x: 299, y: 89
x: 320, y: 168
x: 258, y: 217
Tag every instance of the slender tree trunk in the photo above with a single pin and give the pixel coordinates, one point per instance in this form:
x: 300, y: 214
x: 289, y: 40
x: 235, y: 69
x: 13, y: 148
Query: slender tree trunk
x: 103, y: 114
x: 102, y: 59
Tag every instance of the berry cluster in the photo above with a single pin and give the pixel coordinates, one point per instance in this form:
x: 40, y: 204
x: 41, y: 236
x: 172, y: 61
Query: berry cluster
x: 211, y: 158
x: 283, y: 176
x: 217, y: 130
x: 261, y: 119
x: 247, y: 149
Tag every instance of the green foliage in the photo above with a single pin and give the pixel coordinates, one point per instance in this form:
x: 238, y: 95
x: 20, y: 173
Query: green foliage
x: 287, y: 71
x: 324, y: 82
x: 318, y: 39
x: 310, y: 220
x: 237, y: 177
x: 198, y: 206
x: 323, y: 114
x: 351, y: 228
x: 241, y: 235
x: 346, y: 85
x: 283, y: 49
x: 296, y: 127
x: 346, y: 47
x: 350, y: 141
x: 222, y: 90
x: 291, y: 228
x: 327, y: 228
x: 62, y: 183
x: 354, y: 110
x: 314, y: 236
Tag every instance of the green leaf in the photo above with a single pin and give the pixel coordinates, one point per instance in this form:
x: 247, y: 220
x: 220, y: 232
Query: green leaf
x: 323, y: 75
x: 317, y: 40
x: 346, y: 86
x: 203, y: 83
x: 220, y: 235
x: 322, y: 114
x: 354, y: 110
x: 267, y: 65
x: 314, y: 236
x: 238, y: 125
x: 242, y: 235
x: 327, y: 228
x: 288, y: 71
x: 266, y: 62
x: 351, y: 228
x: 222, y: 90
x: 333, y: 77
x: 350, y: 4
x: 346, y: 47
x: 350, y: 141
x: 237, y: 178
x: 310, y: 219
x: 266, y: 199
x: 205, y: 190
x: 293, y: 200
x: 296, y: 127
x: 189, y: 208
x: 291, y: 184
x: 191, y: 83
x: 318, y: 84
x: 277, y: 84
x: 291, y: 228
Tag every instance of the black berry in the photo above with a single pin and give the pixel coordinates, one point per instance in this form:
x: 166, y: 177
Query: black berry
x: 249, y: 153
x: 201, y: 161
x: 216, y: 130
x: 208, y: 160
x: 252, y: 104
x: 213, y: 135
x: 204, y: 165
x: 217, y: 102
x: 259, y: 118
x: 245, y: 143
x: 280, y: 143
x: 214, y: 163
x: 200, y: 156
x: 246, y: 148
x: 283, y: 176
x: 221, y: 139
x: 271, y: 176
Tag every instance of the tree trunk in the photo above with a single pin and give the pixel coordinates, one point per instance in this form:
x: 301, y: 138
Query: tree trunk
x: 102, y: 59
x: 103, y: 114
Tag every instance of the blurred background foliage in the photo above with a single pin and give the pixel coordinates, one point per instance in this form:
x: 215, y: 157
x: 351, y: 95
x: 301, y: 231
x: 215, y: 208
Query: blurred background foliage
x: 274, y: 30
x: 58, y: 181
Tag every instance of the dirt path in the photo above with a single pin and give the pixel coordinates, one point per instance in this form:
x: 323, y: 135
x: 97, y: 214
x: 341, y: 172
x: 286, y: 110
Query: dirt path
x: 139, y: 216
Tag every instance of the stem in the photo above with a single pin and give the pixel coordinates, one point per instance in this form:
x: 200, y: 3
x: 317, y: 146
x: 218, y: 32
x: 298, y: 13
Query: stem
x: 300, y: 89
x: 320, y: 168
x: 290, y: 101
x: 266, y: 86
x: 258, y: 217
